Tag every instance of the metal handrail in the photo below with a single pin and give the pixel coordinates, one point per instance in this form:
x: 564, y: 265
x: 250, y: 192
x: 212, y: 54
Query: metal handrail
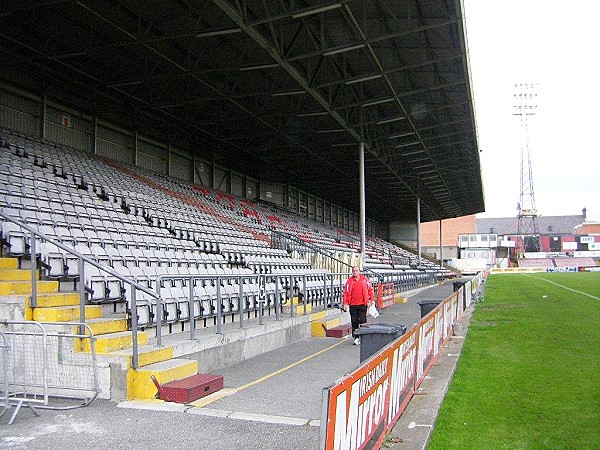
x: 316, y: 249
x: 81, y: 259
x: 261, y: 279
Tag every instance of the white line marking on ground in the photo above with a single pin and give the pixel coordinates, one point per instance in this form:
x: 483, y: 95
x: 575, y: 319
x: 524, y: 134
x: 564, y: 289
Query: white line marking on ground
x: 210, y: 412
x: 565, y: 287
x: 153, y: 405
x: 268, y: 418
x: 16, y: 441
x: 414, y: 425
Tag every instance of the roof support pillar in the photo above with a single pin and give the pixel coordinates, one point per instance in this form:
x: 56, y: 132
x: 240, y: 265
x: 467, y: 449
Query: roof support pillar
x: 362, y: 221
x: 419, y: 229
x: 95, y: 138
x: 43, y: 106
x: 441, y: 247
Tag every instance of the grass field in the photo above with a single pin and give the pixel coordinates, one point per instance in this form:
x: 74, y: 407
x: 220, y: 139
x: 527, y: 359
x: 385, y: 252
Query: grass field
x: 529, y: 373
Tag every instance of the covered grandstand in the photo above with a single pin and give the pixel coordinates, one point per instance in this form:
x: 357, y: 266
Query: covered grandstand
x: 187, y: 164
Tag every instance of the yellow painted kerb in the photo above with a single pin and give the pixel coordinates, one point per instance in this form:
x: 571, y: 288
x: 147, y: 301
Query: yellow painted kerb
x: 319, y: 327
x: 140, y: 385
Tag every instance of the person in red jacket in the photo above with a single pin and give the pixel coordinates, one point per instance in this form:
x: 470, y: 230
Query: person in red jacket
x: 358, y: 296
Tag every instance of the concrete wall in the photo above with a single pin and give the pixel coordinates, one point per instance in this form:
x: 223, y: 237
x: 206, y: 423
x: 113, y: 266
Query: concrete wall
x: 404, y: 232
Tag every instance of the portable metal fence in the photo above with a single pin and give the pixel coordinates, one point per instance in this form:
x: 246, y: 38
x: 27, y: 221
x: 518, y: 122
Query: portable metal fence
x: 49, y: 365
x: 4, y: 405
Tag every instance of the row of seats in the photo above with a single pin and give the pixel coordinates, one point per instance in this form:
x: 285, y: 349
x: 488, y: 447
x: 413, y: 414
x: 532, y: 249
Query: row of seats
x: 557, y: 262
x: 144, y: 226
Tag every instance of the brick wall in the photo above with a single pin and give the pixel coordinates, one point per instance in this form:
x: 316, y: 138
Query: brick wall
x: 451, y: 228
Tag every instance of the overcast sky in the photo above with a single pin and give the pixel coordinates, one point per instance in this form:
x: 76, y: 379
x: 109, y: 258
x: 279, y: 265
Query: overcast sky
x: 555, y: 44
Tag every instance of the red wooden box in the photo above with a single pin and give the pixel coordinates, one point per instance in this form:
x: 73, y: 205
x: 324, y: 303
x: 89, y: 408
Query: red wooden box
x: 189, y: 389
x: 339, y: 331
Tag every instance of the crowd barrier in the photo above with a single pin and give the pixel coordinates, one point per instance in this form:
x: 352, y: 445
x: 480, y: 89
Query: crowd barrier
x: 4, y: 373
x: 361, y: 408
x: 385, y: 295
x: 47, y: 365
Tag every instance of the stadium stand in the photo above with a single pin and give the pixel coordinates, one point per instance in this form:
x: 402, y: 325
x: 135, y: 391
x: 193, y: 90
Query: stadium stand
x: 145, y: 226
x: 536, y: 262
x: 575, y: 262
x: 561, y: 262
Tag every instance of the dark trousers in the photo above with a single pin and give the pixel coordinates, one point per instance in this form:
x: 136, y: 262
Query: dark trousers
x: 358, y: 315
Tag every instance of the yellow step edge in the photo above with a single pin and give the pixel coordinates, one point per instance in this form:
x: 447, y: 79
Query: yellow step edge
x: 140, y: 385
x: 55, y: 299
x: 24, y: 287
x: 157, y: 355
x: 296, y: 301
x: 9, y: 263
x: 299, y: 309
x: 146, y: 356
x: 318, y: 315
x: 16, y: 274
x: 106, y: 343
x: 319, y: 327
x: 105, y: 326
x: 400, y: 299
x: 65, y: 313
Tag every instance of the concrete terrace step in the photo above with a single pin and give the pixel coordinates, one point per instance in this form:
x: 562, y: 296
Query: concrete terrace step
x: 319, y: 327
x: 9, y: 263
x: 140, y: 385
x: 114, y: 341
x: 299, y: 309
x: 24, y: 287
x: 16, y: 274
x: 65, y: 313
x: 48, y: 300
x: 147, y: 354
x: 107, y: 325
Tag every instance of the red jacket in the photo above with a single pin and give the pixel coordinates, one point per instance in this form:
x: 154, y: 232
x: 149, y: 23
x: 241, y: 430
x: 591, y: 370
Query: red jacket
x: 358, y: 292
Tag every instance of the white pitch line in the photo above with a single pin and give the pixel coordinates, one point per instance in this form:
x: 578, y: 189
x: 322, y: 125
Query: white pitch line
x: 567, y: 288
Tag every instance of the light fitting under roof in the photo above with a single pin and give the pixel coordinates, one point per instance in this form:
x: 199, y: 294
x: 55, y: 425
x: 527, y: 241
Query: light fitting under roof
x: 320, y: 9
x: 218, y: 32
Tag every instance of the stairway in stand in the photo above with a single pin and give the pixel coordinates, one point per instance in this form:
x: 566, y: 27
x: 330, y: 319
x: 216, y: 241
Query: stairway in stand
x: 113, y: 341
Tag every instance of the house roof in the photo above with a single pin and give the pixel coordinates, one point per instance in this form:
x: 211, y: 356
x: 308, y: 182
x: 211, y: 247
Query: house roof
x: 547, y: 225
x: 588, y: 228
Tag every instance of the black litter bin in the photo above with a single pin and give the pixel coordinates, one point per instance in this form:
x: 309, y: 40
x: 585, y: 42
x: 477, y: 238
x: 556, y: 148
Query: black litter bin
x: 375, y: 336
x: 458, y: 284
x: 427, y: 306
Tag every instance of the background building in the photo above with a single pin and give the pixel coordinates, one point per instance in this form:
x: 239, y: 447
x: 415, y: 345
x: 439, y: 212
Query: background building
x: 495, y: 242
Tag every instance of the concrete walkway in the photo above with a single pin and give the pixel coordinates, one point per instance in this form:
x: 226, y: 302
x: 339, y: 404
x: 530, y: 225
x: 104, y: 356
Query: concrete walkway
x: 272, y: 401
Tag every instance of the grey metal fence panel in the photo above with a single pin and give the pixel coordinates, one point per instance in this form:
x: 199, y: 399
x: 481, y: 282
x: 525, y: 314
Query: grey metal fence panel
x: 4, y: 405
x: 48, y: 365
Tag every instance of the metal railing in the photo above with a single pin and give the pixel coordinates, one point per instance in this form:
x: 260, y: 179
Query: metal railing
x: 4, y: 405
x: 33, y: 378
x: 290, y: 243
x: 286, y: 287
x: 290, y: 284
x: 34, y: 235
